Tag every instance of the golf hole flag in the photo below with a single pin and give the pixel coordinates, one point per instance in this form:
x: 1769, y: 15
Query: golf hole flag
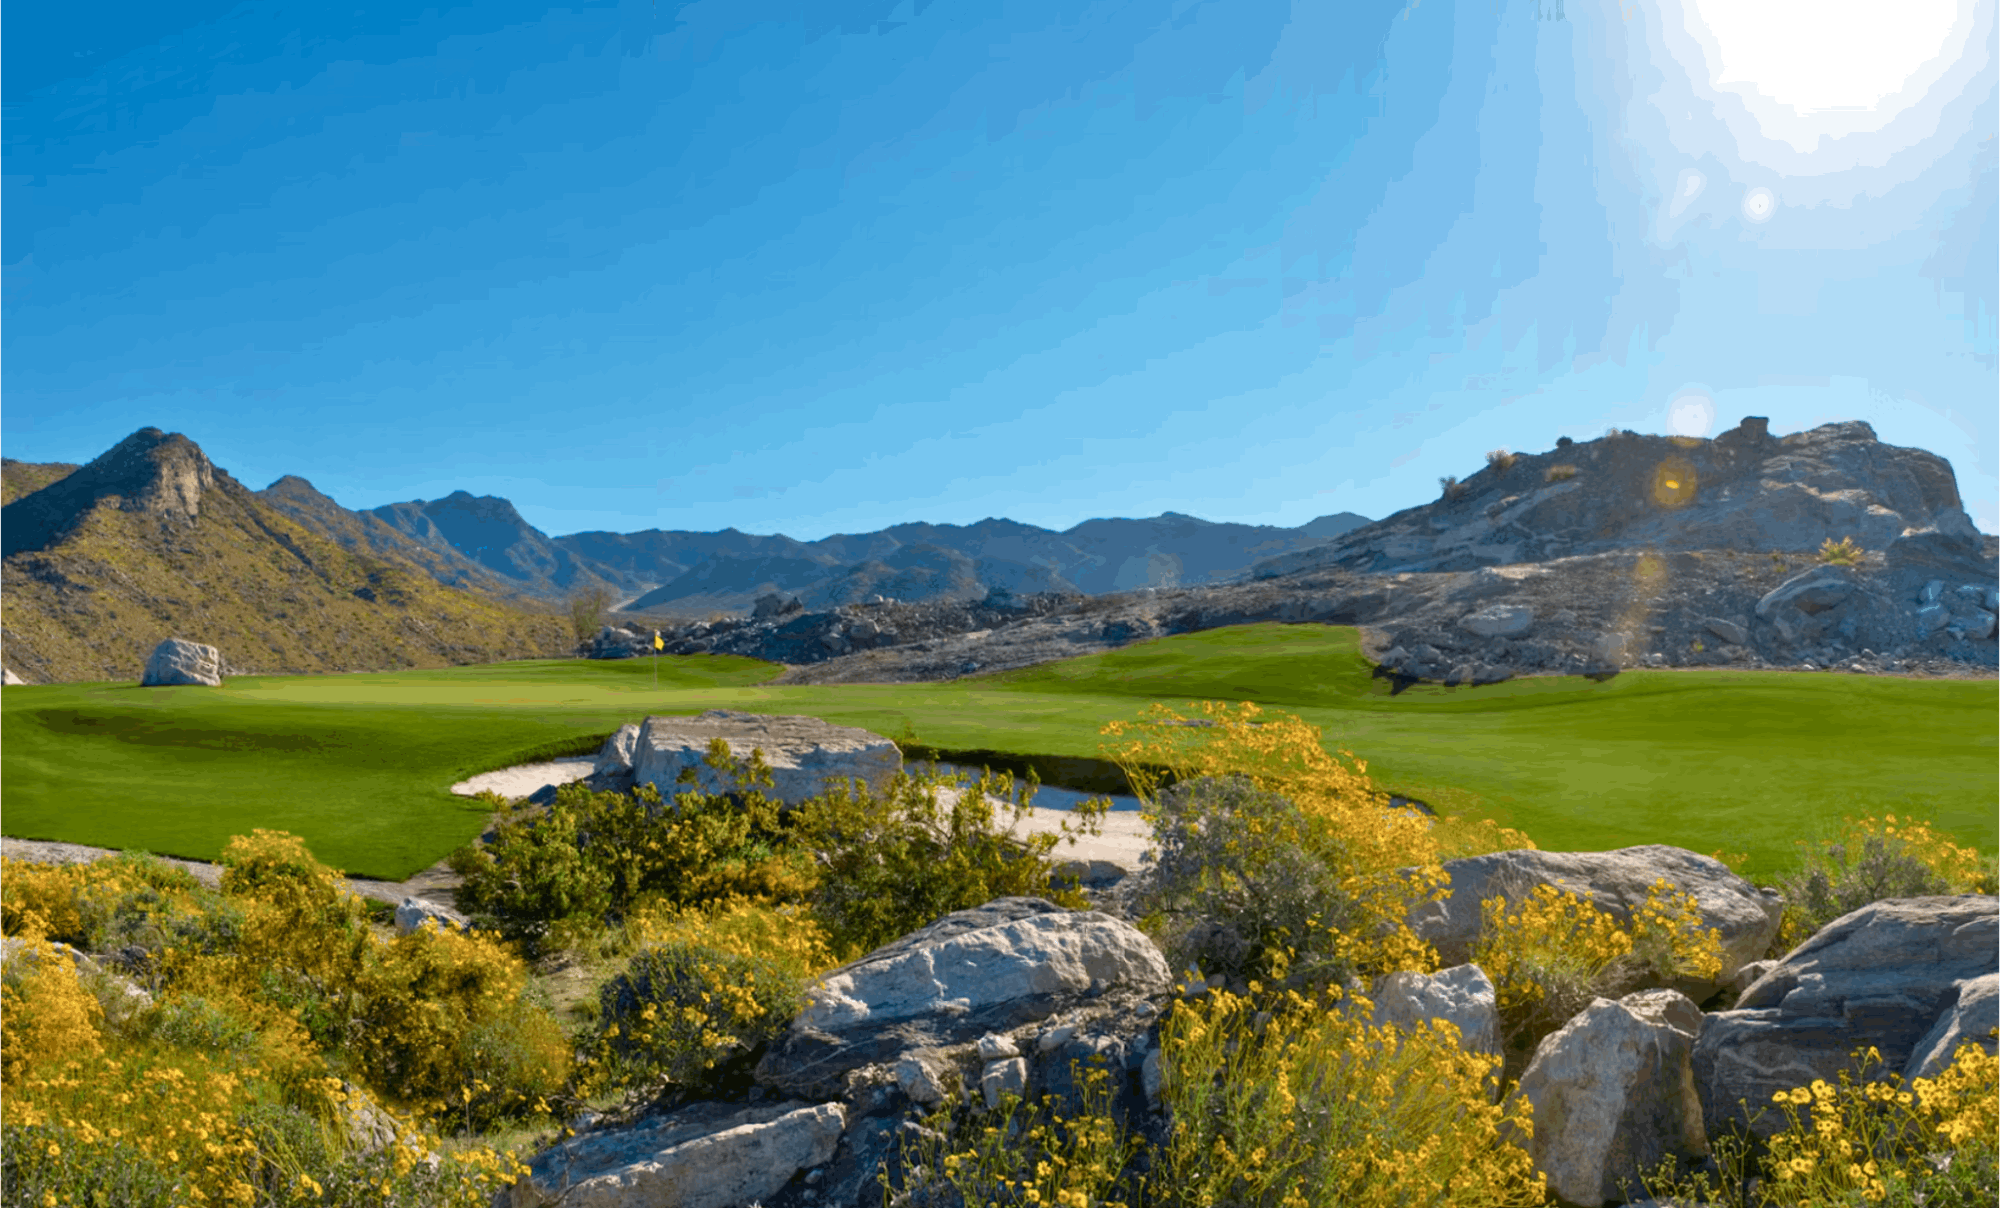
x: 659, y: 643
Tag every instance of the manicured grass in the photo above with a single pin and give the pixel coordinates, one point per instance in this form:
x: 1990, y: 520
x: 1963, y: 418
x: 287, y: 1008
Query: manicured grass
x: 1746, y: 762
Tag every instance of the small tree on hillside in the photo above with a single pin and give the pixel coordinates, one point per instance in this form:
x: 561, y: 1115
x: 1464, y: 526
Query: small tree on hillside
x: 586, y: 608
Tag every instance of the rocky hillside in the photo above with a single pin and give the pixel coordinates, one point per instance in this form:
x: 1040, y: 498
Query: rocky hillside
x: 18, y: 478
x: 1655, y: 552
x: 1744, y: 491
x: 152, y: 541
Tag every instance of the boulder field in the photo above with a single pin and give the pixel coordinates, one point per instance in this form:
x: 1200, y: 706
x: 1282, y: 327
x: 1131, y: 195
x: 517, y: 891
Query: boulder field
x: 1016, y: 994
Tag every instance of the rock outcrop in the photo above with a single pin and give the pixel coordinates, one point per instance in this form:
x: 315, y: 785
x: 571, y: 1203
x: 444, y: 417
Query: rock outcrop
x: 1743, y: 490
x: 1744, y: 917
x: 804, y: 753
x: 178, y: 661
x: 1020, y: 997
x: 1012, y: 961
x: 1889, y: 975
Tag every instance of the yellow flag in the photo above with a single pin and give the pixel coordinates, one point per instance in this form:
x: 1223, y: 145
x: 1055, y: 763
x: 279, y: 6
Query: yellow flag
x: 659, y: 643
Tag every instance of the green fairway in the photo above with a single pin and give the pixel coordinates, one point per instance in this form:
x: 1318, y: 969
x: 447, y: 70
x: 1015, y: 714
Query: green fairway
x: 360, y: 765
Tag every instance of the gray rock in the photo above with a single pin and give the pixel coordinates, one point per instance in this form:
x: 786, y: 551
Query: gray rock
x: 178, y: 661
x: 615, y: 756
x: 1971, y: 1018
x: 706, y: 1155
x: 919, y: 1080
x: 1792, y: 607
x: 1004, y: 1077
x: 1883, y: 975
x: 989, y: 969
x: 413, y: 913
x: 804, y: 753
x: 1728, y: 631
x: 1933, y: 592
x: 1500, y: 620
x: 1613, y: 1094
x: 1615, y: 882
x: 1933, y: 617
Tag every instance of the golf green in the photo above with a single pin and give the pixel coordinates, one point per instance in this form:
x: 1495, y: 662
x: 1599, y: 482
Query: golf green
x: 360, y: 765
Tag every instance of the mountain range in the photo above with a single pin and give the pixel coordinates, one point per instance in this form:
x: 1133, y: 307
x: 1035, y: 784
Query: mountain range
x: 151, y: 540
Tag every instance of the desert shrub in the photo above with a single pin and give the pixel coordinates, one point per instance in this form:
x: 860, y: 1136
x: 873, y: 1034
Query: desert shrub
x: 1390, y: 859
x: 1248, y: 861
x: 785, y: 934
x: 682, y: 1011
x: 443, y: 1029
x: 1042, y: 1154
x: 1873, y: 861
x: 587, y: 859
x: 1562, y: 473
x: 1842, y: 553
x: 895, y: 863
x: 1870, y: 1141
x: 1501, y: 460
x: 219, y: 1092
x: 1310, y: 1105
x: 1564, y: 442
x: 1451, y: 487
x: 1551, y: 953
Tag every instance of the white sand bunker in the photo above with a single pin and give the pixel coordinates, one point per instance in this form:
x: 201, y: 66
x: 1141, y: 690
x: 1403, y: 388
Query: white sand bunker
x: 520, y: 781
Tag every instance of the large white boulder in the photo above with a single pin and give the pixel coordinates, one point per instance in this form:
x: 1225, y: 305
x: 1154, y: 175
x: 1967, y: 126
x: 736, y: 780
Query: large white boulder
x: 993, y: 968
x: 1613, y: 1094
x: 804, y: 753
x: 178, y: 661
x: 1744, y: 918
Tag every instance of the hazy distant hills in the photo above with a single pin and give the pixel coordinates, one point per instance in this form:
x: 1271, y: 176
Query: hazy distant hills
x: 468, y: 536
x: 151, y: 540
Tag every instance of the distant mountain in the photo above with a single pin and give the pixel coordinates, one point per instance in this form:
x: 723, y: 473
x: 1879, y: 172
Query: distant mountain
x: 368, y: 533
x: 151, y: 541
x: 686, y: 573
x: 486, y: 530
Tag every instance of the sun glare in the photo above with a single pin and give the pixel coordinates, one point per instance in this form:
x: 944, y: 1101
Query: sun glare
x: 1823, y: 56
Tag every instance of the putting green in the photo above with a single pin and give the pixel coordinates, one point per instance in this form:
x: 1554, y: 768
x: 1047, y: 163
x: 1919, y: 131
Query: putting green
x: 360, y: 765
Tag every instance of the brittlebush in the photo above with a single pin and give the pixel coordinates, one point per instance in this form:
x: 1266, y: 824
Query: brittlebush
x: 1552, y: 953
x: 1870, y: 861
x: 1391, y: 859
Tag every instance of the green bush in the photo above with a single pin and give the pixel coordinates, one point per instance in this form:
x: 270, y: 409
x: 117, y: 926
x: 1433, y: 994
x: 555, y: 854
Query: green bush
x: 893, y: 864
x: 590, y: 857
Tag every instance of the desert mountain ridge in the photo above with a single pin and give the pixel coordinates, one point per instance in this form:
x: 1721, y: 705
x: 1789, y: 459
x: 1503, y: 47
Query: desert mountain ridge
x: 482, y: 544
x: 151, y: 540
x: 151, y: 537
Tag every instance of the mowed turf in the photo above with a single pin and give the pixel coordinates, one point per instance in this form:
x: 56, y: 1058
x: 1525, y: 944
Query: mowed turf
x: 1742, y: 762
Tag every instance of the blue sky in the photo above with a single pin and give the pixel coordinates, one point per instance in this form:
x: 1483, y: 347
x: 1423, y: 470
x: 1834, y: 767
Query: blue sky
x: 692, y: 266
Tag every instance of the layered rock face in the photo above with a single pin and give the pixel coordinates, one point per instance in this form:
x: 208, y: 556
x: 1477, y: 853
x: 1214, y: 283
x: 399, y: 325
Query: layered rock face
x: 804, y: 753
x: 1744, y: 490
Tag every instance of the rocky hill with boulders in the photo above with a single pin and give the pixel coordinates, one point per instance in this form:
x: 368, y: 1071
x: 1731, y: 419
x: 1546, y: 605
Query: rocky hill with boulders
x: 151, y: 541
x: 1654, y: 552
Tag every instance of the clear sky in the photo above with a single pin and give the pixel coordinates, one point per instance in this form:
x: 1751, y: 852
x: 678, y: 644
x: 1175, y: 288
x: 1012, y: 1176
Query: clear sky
x: 690, y: 266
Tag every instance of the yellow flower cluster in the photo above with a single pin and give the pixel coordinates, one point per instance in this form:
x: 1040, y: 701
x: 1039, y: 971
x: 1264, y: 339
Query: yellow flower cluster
x: 1348, y: 816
